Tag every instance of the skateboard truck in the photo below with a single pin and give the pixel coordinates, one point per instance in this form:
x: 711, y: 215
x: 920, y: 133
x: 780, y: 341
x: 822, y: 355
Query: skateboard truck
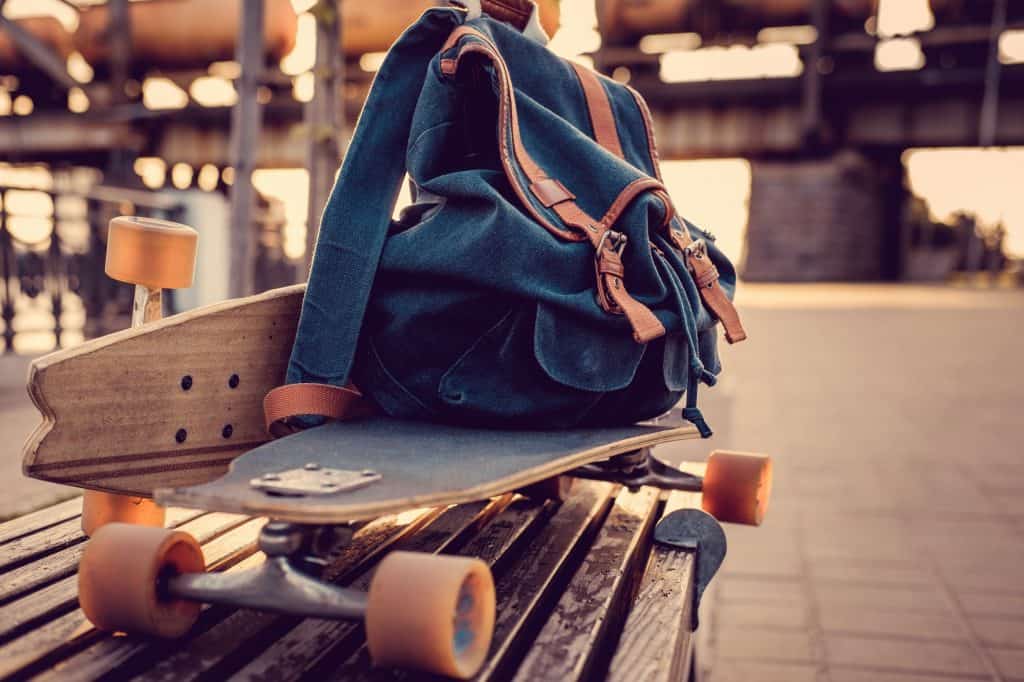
x: 285, y: 583
x: 696, y: 531
x: 637, y: 469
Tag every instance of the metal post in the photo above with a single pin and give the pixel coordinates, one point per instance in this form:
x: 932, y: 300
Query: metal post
x: 119, y: 35
x: 990, y: 103
x: 324, y: 116
x: 245, y: 134
x: 812, y: 85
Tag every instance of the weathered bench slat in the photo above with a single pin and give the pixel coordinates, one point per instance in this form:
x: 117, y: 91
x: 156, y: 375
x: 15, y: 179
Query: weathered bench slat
x: 47, y: 568
x: 584, y: 625
x: 656, y: 640
x: 566, y: 575
x: 239, y: 632
x: 69, y: 633
x: 530, y: 584
x: 312, y: 641
x: 29, y: 547
x: 107, y: 653
x: 18, y: 616
x: 40, y: 520
x: 501, y: 539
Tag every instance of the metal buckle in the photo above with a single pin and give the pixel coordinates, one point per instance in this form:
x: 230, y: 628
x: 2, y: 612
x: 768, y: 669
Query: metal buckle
x: 618, y: 242
x: 698, y: 248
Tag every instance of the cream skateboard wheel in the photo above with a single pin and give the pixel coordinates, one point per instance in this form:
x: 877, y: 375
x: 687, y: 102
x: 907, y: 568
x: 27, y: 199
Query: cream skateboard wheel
x: 737, y: 487
x: 99, y: 508
x: 119, y: 575
x: 157, y: 254
x: 431, y: 613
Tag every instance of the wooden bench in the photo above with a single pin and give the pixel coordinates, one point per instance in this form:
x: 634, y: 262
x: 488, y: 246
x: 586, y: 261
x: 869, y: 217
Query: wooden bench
x: 583, y: 593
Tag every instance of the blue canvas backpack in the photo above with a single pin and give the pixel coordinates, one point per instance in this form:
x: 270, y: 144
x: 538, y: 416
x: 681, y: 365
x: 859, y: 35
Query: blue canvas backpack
x: 541, y: 276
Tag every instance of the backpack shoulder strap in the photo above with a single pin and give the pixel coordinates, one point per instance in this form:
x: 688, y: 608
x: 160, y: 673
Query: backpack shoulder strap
x: 353, y: 228
x: 355, y: 220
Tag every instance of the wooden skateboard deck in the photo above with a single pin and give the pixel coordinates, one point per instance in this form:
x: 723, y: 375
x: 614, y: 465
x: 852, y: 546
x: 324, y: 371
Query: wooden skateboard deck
x: 168, y: 403
x: 408, y: 465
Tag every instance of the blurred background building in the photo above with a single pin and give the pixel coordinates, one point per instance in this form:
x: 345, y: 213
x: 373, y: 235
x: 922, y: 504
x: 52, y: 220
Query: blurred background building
x: 821, y: 140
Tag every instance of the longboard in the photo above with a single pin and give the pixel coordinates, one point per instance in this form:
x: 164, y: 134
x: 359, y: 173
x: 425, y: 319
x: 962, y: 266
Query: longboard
x: 350, y: 471
x: 169, y: 403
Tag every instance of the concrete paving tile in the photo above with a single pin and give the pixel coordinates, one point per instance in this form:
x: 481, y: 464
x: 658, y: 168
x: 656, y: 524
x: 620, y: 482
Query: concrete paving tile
x: 990, y: 603
x: 766, y: 614
x: 1010, y: 662
x: 999, y: 632
x: 743, y: 589
x: 763, y: 644
x: 837, y: 674
x: 898, y: 654
x: 869, y: 572
x: 858, y: 619
x: 916, y: 598
x: 764, y: 671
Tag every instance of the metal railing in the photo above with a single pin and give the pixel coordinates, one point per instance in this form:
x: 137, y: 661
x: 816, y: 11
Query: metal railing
x: 52, y: 283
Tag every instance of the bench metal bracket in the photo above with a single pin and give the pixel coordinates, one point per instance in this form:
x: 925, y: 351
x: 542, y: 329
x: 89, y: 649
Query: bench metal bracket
x: 694, y: 530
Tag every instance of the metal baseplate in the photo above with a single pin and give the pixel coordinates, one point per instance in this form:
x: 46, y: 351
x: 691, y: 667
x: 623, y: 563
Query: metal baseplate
x: 314, y: 479
x: 694, y: 530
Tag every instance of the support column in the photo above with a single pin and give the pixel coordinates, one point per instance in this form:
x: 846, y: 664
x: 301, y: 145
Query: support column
x: 836, y: 219
x: 245, y: 135
x: 324, y: 117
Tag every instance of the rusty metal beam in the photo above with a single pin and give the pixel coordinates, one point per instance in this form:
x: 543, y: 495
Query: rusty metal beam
x: 990, y: 102
x: 324, y: 117
x: 38, y: 53
x: 245, y: 135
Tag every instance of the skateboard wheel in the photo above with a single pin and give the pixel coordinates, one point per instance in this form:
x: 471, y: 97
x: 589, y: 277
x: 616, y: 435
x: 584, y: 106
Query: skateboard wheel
x: 737, y: 487
x: 431, y: 613
x: 155, y: 253
x: 119, y: 575
x: 554, y: 488
x: 99, y: 509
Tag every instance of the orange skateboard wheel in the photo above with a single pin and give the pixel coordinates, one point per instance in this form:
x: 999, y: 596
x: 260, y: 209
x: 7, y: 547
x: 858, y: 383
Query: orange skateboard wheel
x: 99, y: 508
x: 431, y: 613
x: 119, y: 574
x: 737, y: 487
x: 157, y: 254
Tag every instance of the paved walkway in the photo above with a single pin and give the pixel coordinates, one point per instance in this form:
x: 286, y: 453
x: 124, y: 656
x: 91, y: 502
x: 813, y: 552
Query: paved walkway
x: 893, y: 551
x: 17, y: 419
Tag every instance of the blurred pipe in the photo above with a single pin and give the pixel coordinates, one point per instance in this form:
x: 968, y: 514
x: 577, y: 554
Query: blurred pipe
x: 324, y: 117
x: 245, y: 135
x: 990, y: 104
x: 811, y: 99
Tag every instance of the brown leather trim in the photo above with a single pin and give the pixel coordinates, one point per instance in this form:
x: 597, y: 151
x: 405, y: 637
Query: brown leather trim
x: 652, y: 148
x: 514, y: 12
x: 550, y: 192
x: 612, y: 294
x: 705, y: 276
x: 602, y: 119
x: 508, y: 126
x: 334, y: 402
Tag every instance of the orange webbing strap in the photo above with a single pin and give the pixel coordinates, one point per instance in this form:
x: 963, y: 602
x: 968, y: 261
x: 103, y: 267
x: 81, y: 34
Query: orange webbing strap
x: 602, y: 118
x: 291, y: 400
